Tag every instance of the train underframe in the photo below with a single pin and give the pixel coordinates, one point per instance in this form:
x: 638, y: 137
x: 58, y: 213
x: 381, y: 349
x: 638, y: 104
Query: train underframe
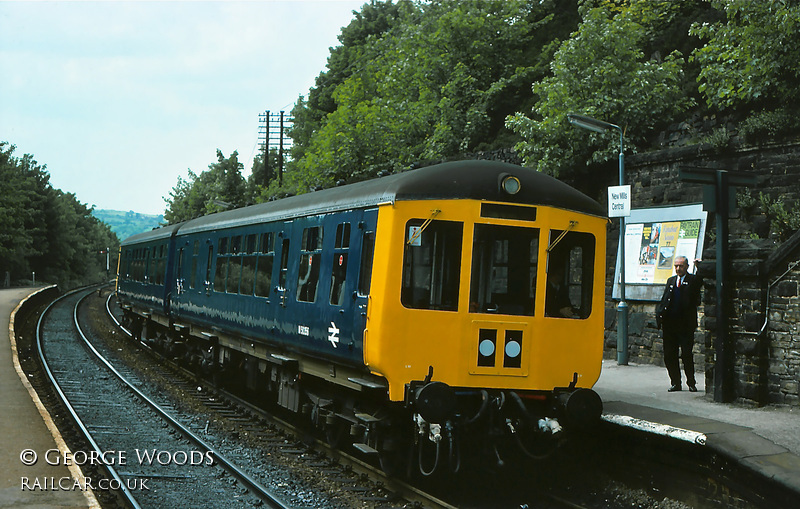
x: 438, y: 429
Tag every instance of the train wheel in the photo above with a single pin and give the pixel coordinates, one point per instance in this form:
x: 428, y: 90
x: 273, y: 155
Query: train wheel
x: 336, y: 434
x: 393, y: 458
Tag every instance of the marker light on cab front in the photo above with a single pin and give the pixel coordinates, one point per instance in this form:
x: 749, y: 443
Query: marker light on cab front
x: 510, y: 184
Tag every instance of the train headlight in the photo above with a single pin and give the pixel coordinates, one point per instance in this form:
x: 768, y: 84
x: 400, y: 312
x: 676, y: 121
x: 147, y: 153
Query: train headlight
x: 486, y: 347
x: 513, y: 349
x: 510, y: 184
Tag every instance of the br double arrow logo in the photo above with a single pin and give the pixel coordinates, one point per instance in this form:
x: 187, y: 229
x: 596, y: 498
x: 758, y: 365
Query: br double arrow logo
x: 333, y: 334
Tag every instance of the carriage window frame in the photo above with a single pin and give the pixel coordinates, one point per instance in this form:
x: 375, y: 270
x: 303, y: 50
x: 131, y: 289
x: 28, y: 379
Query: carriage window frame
x: 341, y: 249
x: 504, y: 267
x: 432, y: 264
x: 570, y: 265
x: 308, y: 273
x: 194, y: 267
x: 264, y: 265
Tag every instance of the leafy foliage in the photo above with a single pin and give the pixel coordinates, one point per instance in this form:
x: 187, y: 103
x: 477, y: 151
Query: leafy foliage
x: 220, y: 188
x: 435, y: 81
x: 752, y: 56
x: 427, y: 80
x: 602, y: 72
x: 46, y: 231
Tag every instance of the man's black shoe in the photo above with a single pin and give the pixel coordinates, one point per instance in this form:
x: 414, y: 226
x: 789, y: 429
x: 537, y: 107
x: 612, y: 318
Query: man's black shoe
x: 674, y: 388
x: 692, y: 388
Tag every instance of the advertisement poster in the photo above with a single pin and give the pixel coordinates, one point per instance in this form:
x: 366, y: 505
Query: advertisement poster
x: 655, y: 246
x: 654, y: 237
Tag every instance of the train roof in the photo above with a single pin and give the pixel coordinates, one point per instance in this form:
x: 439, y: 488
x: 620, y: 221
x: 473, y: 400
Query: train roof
x: 477, y: 180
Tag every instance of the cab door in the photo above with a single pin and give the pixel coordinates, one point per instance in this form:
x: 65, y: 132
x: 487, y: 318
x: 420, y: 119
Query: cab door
x: 343, y: 304
x: 363, y: 254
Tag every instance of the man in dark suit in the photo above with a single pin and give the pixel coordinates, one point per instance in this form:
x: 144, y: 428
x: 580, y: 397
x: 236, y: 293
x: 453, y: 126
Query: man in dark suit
x: 677, y: 314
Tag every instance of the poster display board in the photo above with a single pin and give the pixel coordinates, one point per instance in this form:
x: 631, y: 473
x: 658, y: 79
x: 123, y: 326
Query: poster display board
x: 653, y: 239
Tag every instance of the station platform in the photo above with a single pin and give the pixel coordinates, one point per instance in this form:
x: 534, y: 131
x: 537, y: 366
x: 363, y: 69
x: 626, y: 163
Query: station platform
x: 765, y: 441
x: 27, y: 429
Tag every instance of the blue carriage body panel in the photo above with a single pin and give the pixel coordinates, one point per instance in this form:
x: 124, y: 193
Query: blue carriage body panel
x: 327, y: 326
x: 147, y: 267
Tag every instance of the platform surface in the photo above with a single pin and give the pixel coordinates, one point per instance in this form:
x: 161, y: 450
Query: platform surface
x: 765, y: 440
x: 24, y: 431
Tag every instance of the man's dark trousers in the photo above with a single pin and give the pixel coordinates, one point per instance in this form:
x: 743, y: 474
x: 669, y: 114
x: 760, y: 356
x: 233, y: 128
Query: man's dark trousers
x: 679, y: 319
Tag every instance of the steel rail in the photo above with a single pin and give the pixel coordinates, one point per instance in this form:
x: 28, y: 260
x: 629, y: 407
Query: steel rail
x: 404, y: 489
x: 262, y: 492
x: 125, y: 492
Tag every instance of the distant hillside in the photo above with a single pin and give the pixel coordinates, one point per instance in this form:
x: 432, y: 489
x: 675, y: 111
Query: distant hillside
x: 125, y: 224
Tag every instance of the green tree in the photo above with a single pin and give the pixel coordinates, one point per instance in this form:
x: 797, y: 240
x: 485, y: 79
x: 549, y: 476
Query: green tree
x: 262, y: 175
x: 437, y: 84
x: 23, y: 186
x: 375, y: 19
x: 46, y: 231
x: 602, y: 72
x: 219, y: 188
x: 751, y: 56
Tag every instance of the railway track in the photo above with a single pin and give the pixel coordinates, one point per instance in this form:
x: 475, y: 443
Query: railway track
x: 151, y: 460
x: 235, y: 429
x: 351, y: 473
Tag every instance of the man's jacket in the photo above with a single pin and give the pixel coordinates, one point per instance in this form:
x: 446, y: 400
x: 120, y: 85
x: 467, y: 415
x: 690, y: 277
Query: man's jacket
x: 678, y: 306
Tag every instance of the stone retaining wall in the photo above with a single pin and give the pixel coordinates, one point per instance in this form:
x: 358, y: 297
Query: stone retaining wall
x: 767, y: 364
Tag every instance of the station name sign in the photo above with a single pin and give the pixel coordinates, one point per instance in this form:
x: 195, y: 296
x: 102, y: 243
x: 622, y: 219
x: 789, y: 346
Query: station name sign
x: 619, y: 201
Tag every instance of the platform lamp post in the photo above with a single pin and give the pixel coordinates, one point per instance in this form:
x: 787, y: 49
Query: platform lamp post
x: 599, y: 126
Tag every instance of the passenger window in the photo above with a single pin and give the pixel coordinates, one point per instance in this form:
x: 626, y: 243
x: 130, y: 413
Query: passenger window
x: 339, y: 264
x: 570, y: 274
x: 432, y: 264
x: 265, y: 260
x: 264, y: 275
x: 251, y: 244
x: 151, y: 266
x: 342, y: 236
x: 267, y: 243
x: 221, y: 274
x: 308, y: 272
x: 161, y: 266
x: 504, y: 261
x: 248, y: 275
x: 193, y: 273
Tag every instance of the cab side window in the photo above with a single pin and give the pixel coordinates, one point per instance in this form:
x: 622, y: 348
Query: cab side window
x: 432, y: 264
x: 570, y: 274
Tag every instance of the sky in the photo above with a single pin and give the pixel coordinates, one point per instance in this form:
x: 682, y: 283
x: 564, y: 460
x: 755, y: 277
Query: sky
x: 119, y: 99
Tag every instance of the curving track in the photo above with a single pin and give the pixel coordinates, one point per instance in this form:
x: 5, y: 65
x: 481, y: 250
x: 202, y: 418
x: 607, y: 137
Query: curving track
x: 377, y: 488
x: 151, y: 460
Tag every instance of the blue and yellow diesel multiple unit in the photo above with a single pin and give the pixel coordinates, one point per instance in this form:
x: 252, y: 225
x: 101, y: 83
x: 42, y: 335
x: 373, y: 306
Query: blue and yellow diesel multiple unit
x: 463, y: 301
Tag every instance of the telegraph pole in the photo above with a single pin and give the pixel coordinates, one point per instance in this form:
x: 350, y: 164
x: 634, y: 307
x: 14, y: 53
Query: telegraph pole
x: 272, y: 133
x: 280, y: 154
